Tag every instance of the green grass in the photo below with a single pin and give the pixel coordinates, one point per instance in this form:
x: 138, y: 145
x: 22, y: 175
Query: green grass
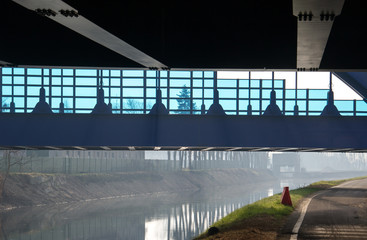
x: 267, y: 206
x: 271, y: 205
x: 328, y: 184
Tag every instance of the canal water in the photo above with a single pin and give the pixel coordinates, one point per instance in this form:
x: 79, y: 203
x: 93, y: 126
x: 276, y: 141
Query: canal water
x: 156, y: 216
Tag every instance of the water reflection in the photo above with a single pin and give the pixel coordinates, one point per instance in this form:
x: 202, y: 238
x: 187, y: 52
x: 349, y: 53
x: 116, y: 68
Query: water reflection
x: 165, y: 216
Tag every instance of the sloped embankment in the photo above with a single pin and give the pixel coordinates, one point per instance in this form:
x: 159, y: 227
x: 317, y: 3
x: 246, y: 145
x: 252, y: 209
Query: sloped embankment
x: 37, y: 189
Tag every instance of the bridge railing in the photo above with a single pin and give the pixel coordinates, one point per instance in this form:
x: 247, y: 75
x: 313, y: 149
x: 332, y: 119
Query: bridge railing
x: 133, y: 91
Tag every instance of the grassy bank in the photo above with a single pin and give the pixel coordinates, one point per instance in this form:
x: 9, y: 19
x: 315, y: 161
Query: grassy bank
x: 264, y: 218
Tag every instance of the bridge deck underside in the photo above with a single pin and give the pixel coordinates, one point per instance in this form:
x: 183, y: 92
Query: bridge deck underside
x: 181, y: 132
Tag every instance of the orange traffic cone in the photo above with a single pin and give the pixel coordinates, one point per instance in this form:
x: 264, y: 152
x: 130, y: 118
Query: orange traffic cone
x: 286, y: 197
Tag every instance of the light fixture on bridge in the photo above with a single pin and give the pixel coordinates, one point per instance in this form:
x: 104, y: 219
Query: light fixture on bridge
x: 158, y: 108
x: 273, y: 109
x: 215, y: 108
x: 109, y: 91
x: 330, y: 109
x: 42, y: 106
x: 101, y: 107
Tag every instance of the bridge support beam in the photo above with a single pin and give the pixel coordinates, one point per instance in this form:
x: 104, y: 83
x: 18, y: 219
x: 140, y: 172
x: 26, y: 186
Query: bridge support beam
x: 192, y: 132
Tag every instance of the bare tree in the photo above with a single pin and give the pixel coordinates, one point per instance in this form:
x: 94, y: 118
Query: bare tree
x: 4, y: 104
x: 10, y: 159
x: 134, y: 106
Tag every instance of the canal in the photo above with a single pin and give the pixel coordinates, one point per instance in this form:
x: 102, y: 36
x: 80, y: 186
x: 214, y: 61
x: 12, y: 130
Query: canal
x: 155, y: 216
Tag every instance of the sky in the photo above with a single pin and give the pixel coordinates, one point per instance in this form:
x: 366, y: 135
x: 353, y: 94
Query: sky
x: 310, y: 80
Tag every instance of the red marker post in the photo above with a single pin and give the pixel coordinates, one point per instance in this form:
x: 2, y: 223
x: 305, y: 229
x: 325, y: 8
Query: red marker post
x: 286, y: 197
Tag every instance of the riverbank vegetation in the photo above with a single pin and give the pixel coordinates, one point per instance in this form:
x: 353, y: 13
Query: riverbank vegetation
x: 264, y: 218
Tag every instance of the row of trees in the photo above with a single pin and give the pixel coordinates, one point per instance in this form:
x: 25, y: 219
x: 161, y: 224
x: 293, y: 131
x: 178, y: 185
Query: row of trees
x: 183, y: 102
x: 133, y: 106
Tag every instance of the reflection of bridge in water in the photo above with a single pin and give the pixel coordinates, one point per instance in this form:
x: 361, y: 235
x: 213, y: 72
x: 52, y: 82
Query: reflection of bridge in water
x: 170, y: 216
x: 73, y: 161
x: 150, y: 218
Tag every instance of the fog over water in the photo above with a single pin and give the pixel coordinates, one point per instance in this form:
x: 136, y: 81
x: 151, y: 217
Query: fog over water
x: 180, y: 216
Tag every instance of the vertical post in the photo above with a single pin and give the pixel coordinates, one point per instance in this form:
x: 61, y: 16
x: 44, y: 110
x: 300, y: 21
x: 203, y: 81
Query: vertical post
x: 109, y: 89
x: 307, y: 100
x: 122, y: 92
x: 238, y: 96
x: 109, y: 85
x: 74, y: 90
x: 261, y: 96
x: 191, y: 92
x: 25, y: 89
x: 1, y: 89
x: 157, y: 83
x: 284, y: 96
x: 202, y: 96
x: 158, y: 75
x: 296, y: 87
x: 12, y: 85
x: 215, y: 89
x: 168, y: 89
x: 49, y: 88
x: 97, y: 82
x: 354, y: 107
x: 12, y: 104
x: 43, y: 78
x: 215, y: 84
x: 61, y: 108
x: 249, y: 87
x: 331, y: 82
